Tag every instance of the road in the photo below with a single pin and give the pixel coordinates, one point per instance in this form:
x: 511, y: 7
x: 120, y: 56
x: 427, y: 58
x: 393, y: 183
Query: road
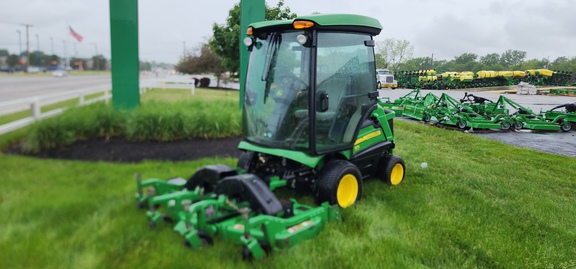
x: 17, y: 87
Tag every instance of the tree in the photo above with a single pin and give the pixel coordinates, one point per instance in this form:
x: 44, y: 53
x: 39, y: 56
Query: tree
x: 512, y: 58
x: 534, y: 64
x: 202, y: 60
x: 465, y: 62
x: 226, y: 38
x: 12, y: 60
x: 394, y: 52
x: 490, y: 60
x: 99, y: 62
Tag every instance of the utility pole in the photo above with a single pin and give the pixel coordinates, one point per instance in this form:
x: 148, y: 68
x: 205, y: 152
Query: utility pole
x: 38, y: 51
x: 96, y: 59
x: 19, y: 44
x: 52, y: 52
x: 64, y: 64
x: 27, y: 45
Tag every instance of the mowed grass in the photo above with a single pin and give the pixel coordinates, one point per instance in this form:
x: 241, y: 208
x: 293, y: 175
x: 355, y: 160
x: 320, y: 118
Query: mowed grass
x: 478, y: 204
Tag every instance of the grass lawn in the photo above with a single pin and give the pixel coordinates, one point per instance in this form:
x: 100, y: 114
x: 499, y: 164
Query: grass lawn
x: 478, y: 204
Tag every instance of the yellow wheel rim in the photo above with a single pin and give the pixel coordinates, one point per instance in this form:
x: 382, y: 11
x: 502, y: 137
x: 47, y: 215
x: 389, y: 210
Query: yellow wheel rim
x: 347, y: 191
x: 397, y: 174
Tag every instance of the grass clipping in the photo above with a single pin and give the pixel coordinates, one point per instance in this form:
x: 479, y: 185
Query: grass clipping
x: 151, y: 121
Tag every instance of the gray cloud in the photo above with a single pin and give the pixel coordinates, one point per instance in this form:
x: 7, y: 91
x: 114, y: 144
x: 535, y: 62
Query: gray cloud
x: 446, y: 28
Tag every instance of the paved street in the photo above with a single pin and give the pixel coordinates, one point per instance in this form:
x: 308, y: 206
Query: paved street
x: 16, y: 86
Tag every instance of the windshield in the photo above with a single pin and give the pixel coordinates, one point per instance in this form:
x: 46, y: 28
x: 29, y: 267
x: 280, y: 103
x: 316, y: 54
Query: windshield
x: 276, y: 97
x: 277, y: 92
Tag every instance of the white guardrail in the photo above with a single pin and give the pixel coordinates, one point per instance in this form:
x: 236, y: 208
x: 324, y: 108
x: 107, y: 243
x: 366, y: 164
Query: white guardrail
x: 35, y: 103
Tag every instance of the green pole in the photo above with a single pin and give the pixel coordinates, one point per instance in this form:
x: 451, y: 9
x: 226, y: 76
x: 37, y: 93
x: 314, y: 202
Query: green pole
x: 124, y: 43
x: 250, y: 11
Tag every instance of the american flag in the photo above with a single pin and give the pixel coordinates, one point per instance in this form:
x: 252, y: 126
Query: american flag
x: 76, y: 35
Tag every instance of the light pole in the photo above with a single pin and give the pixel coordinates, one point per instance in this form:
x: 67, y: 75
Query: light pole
x: 52, y: 52
x: 64, y: 58
x: 19, y: 44
x: 96, y: 59
x: 38, y: 51
x: 27, y: 45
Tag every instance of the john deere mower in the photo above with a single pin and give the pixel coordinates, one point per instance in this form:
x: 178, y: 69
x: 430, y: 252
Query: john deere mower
x: 311, y: 122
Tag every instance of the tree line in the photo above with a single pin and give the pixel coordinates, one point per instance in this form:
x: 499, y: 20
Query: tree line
x: 52, y: 61
x: 397, y: 55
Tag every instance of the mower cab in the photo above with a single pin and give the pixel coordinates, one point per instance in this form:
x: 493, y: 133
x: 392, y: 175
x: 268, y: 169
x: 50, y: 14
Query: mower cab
x: 311, y: 115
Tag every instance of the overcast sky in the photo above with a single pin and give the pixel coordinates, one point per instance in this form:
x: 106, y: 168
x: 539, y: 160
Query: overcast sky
x: 445, y: 28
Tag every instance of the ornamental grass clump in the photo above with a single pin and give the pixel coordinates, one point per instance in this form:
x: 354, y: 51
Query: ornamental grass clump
x: 158, y: 121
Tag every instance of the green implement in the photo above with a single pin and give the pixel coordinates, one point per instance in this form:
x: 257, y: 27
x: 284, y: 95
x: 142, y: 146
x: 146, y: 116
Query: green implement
x: 449, y: 111
x: 217, y: 201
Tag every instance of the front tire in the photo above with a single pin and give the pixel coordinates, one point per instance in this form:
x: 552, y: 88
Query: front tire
x: 392, y: 169
x: 379, y: 85
x: 340, y: 183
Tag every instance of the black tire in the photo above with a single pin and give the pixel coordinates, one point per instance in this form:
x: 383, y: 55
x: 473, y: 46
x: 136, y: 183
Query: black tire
x: 517, y: 126
x: 565, y: 126
x: 340, y: 183
x: 425, y: 118
x: 206, y: 238
x: 247, y: 254
x: 245, y: 160
x: 504, y: 125
x: 392, y: 169
x: 379, y: 85
x: 461, y: 124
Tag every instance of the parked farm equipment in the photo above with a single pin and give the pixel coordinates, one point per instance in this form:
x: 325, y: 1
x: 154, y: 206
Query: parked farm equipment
x: 449, y: 111
x: 411, y: 105
x: 430, y: 79
x: 569, y: 115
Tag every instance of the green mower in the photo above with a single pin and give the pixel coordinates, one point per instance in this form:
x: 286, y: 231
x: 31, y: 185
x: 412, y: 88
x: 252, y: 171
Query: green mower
x: 311, y: 122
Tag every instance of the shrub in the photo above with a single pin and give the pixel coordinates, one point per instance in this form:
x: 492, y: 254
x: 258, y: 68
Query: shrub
x: 151, y: 121
x: 204, y: 82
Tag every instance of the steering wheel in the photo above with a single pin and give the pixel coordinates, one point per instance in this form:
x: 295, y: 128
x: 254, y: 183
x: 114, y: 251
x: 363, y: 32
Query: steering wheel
x: 291, y: 82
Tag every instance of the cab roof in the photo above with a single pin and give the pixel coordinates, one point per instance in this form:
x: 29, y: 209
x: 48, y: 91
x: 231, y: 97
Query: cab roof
x: 336, y: 22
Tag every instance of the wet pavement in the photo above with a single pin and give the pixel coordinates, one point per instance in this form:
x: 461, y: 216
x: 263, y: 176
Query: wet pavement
x: 552, y: 142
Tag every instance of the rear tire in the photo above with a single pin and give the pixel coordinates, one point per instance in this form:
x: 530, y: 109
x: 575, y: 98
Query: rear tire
x: 504, y: 125
x: 392, y: 169
x: 379, y: 85
x: 461, y: 124
x: 425, y: 118
x: 565, y: 126
x: 340, y: 183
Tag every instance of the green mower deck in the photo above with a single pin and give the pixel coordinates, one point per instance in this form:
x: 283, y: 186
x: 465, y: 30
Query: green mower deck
x: 217, y: 201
